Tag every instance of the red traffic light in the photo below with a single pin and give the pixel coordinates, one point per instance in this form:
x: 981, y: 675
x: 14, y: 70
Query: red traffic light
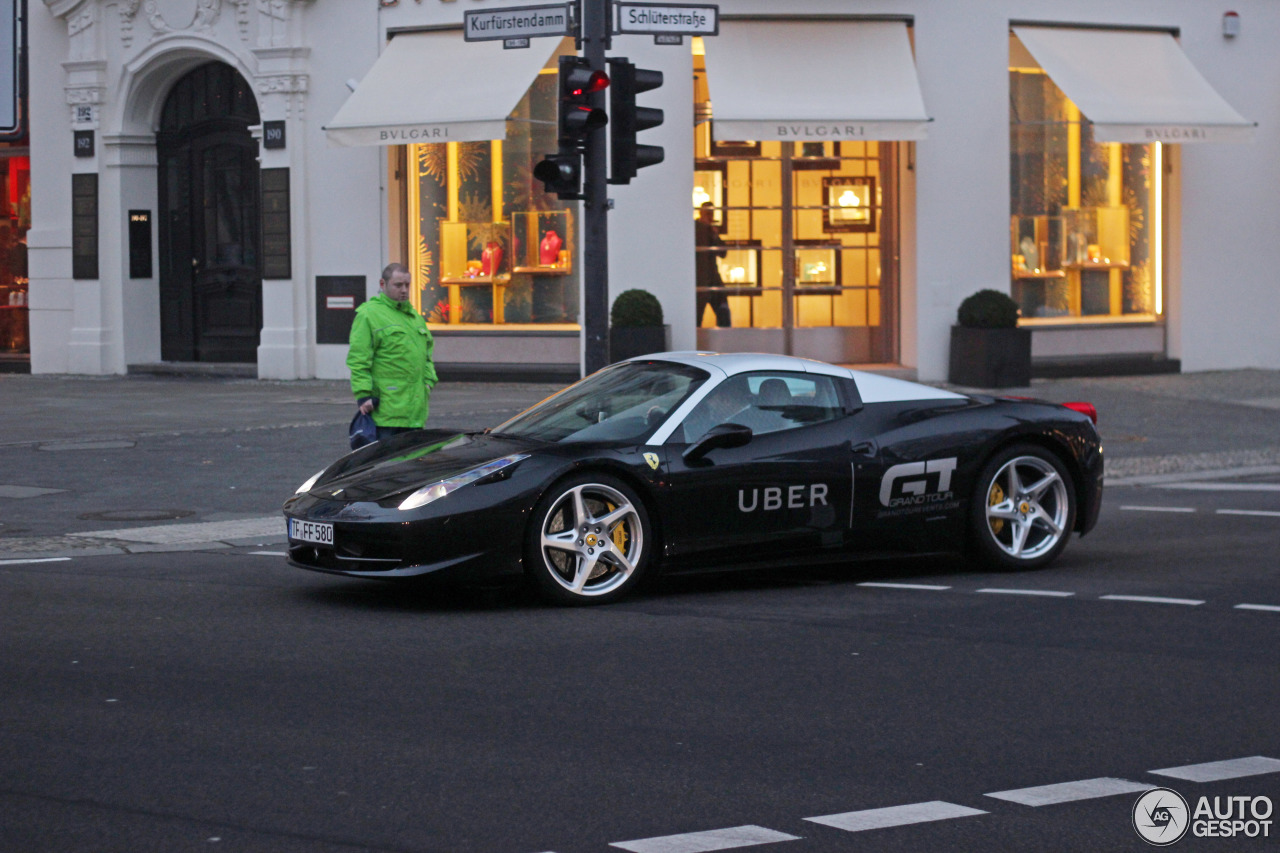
x: 578, y: 80
x: 595, y: 83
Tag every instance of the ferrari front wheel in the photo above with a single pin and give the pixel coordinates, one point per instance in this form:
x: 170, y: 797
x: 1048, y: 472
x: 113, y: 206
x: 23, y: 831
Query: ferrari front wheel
x: 588, y: 541
x: 1024, y: 509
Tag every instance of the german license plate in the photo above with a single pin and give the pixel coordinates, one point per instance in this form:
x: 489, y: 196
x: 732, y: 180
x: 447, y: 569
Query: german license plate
x: 311, y: 531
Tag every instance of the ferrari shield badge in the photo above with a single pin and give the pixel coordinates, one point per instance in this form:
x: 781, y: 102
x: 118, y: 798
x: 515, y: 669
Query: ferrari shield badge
x: 652, y: 459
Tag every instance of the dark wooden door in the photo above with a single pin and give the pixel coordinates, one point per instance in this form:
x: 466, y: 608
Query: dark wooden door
x: 210, y: 279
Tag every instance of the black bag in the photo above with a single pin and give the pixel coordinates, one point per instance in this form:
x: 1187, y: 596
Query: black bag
x: 362, y: 431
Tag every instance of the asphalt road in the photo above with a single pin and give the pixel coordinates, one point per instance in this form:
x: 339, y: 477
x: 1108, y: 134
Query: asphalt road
x: 222, y: 700
x: 204, y: 695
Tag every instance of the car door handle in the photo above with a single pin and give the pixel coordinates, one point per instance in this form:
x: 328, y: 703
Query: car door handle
x: 866, y: 448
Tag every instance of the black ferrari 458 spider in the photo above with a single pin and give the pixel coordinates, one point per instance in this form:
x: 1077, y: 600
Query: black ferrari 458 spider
x: 686, y: 461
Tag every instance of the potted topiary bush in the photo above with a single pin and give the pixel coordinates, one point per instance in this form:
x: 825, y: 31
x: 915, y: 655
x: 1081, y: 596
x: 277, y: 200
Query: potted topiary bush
x: 988, y: 350
x: 635, y: 325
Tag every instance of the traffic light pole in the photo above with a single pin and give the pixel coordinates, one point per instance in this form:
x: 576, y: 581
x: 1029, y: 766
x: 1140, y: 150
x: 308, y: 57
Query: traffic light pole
x: 595, y: 253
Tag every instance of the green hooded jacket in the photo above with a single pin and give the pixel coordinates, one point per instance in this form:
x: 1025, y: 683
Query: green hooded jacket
x: 390, y: 359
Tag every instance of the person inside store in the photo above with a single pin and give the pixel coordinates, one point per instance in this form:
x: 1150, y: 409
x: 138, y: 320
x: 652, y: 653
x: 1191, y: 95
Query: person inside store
x: 709, y: 248
x: 392, y: 372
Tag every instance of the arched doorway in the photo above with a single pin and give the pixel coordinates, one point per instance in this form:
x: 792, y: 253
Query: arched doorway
x: 210, y: 282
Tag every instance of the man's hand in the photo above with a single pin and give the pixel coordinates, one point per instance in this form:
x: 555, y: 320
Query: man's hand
x: 366, y: 407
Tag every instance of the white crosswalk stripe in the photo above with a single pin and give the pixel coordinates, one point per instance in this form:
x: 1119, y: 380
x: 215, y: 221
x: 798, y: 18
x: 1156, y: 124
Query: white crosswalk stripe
x: 701, y: 842
x: 924, y: 586
x: 861, y: 821
x: 1153, y: 599
x: 1216, y: 771
x: 1066, y: 792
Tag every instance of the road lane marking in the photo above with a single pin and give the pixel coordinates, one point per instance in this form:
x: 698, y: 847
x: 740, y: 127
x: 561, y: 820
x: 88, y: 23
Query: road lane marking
x: 1048, y: 593
x: 1223, y: 487
x: 1066, y: 792
x: 905, y: 586
x: 1260, y: 512
x: 34, y: 560
x: 268, y: 554
x: 895, y: 816
x: 1268, y: 607
x: 1159, y: 508
x: 1152, y: 599
x: 699, y: 842
x: 1216, y: 771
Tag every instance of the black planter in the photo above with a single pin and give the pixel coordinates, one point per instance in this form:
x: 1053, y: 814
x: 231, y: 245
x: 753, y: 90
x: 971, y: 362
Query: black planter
x: 990, y: 358
x: 631, y: 341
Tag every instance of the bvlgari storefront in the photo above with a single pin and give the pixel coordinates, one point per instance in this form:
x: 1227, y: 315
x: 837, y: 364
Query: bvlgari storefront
x: 801, y: 184
x: 838, y: 177
x: 494, y: 258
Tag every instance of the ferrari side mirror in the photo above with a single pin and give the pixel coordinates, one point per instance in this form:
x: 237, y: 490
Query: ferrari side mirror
x: 721, y: 435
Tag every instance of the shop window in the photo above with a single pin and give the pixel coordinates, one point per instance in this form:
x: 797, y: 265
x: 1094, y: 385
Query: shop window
x: 15, y: 221
x: 794, y: 222
x: 1084, y: 230
x: 487, y: 246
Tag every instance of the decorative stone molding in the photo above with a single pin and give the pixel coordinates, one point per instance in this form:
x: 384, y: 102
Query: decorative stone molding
x: 81, y: 33
x: 243, y: 18
x: 207, y: 13
x: 282, y: 84
x: 128, y: 10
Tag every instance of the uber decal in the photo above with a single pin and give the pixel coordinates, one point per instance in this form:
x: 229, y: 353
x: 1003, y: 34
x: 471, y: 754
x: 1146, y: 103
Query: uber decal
x: 779, y: 497
x: 916, y: 486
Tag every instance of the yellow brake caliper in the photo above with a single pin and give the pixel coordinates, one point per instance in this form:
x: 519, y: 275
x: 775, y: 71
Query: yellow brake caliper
x: 995, y: 496
x: 619, y: 535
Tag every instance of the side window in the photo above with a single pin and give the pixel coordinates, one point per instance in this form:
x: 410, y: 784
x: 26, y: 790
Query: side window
x: 766, y: 402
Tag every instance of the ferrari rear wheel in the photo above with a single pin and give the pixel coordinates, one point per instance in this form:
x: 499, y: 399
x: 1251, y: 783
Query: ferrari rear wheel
x: 1024, y: 509
x: 589, y: 540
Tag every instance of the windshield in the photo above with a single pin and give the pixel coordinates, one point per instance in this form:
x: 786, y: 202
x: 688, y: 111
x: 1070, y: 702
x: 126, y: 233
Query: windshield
x: 625, y: 402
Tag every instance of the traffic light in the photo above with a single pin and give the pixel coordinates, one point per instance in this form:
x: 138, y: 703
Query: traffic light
x: 561, y: 173
x: 578, y: 82
x: 627, y: 120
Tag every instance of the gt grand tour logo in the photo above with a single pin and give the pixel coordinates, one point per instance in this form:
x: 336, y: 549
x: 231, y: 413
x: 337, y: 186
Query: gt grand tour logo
x: 917, y: 486
x: 1161, y: 817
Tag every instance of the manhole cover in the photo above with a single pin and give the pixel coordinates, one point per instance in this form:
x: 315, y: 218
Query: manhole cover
x: 136, y: 515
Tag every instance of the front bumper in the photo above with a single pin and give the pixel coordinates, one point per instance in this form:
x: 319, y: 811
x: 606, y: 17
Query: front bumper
x: 372, y: 541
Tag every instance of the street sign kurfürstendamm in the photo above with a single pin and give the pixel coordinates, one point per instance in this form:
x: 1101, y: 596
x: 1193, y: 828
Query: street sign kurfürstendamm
x: 517, y: 22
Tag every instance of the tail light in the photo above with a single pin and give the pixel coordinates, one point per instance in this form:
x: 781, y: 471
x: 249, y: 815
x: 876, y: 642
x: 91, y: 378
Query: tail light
x: 1087, y: 409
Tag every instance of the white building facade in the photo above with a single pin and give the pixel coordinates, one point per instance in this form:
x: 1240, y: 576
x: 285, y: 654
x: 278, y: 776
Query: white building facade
x: 222, y: 180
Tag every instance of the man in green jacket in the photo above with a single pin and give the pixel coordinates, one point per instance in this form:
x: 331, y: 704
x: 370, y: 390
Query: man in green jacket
x: 392, y: 373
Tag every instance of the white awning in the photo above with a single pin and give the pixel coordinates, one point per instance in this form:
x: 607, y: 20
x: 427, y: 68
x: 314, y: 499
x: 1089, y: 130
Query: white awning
x: 814, y: 81
x: 436, y: 87
x: 1134, y: 86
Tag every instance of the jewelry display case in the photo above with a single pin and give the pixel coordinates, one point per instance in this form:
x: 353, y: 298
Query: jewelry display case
x: 541, y: 241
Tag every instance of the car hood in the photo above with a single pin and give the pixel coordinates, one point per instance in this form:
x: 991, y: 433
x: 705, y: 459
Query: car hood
x: 410, y: 461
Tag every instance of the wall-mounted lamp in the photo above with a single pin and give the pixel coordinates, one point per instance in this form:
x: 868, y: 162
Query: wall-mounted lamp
x: 1230, y: 24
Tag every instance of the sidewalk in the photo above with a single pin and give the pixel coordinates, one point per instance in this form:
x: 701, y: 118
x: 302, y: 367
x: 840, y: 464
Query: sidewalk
x: 264, y: 435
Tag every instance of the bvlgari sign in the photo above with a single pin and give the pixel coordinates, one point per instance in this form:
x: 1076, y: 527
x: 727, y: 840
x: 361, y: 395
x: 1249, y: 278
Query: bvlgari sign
x: 852, y: 130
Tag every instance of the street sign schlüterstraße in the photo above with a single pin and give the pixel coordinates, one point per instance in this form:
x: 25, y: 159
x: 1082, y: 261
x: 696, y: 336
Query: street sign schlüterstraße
x: 667, y: 18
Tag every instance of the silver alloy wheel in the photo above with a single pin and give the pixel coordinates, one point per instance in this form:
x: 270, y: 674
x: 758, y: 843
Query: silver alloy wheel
x: 591, y: 540
x: 1027, y: 507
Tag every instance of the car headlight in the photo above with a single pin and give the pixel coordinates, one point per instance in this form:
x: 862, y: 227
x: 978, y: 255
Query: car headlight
x: 306, y: 487
x: 440, y: 488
